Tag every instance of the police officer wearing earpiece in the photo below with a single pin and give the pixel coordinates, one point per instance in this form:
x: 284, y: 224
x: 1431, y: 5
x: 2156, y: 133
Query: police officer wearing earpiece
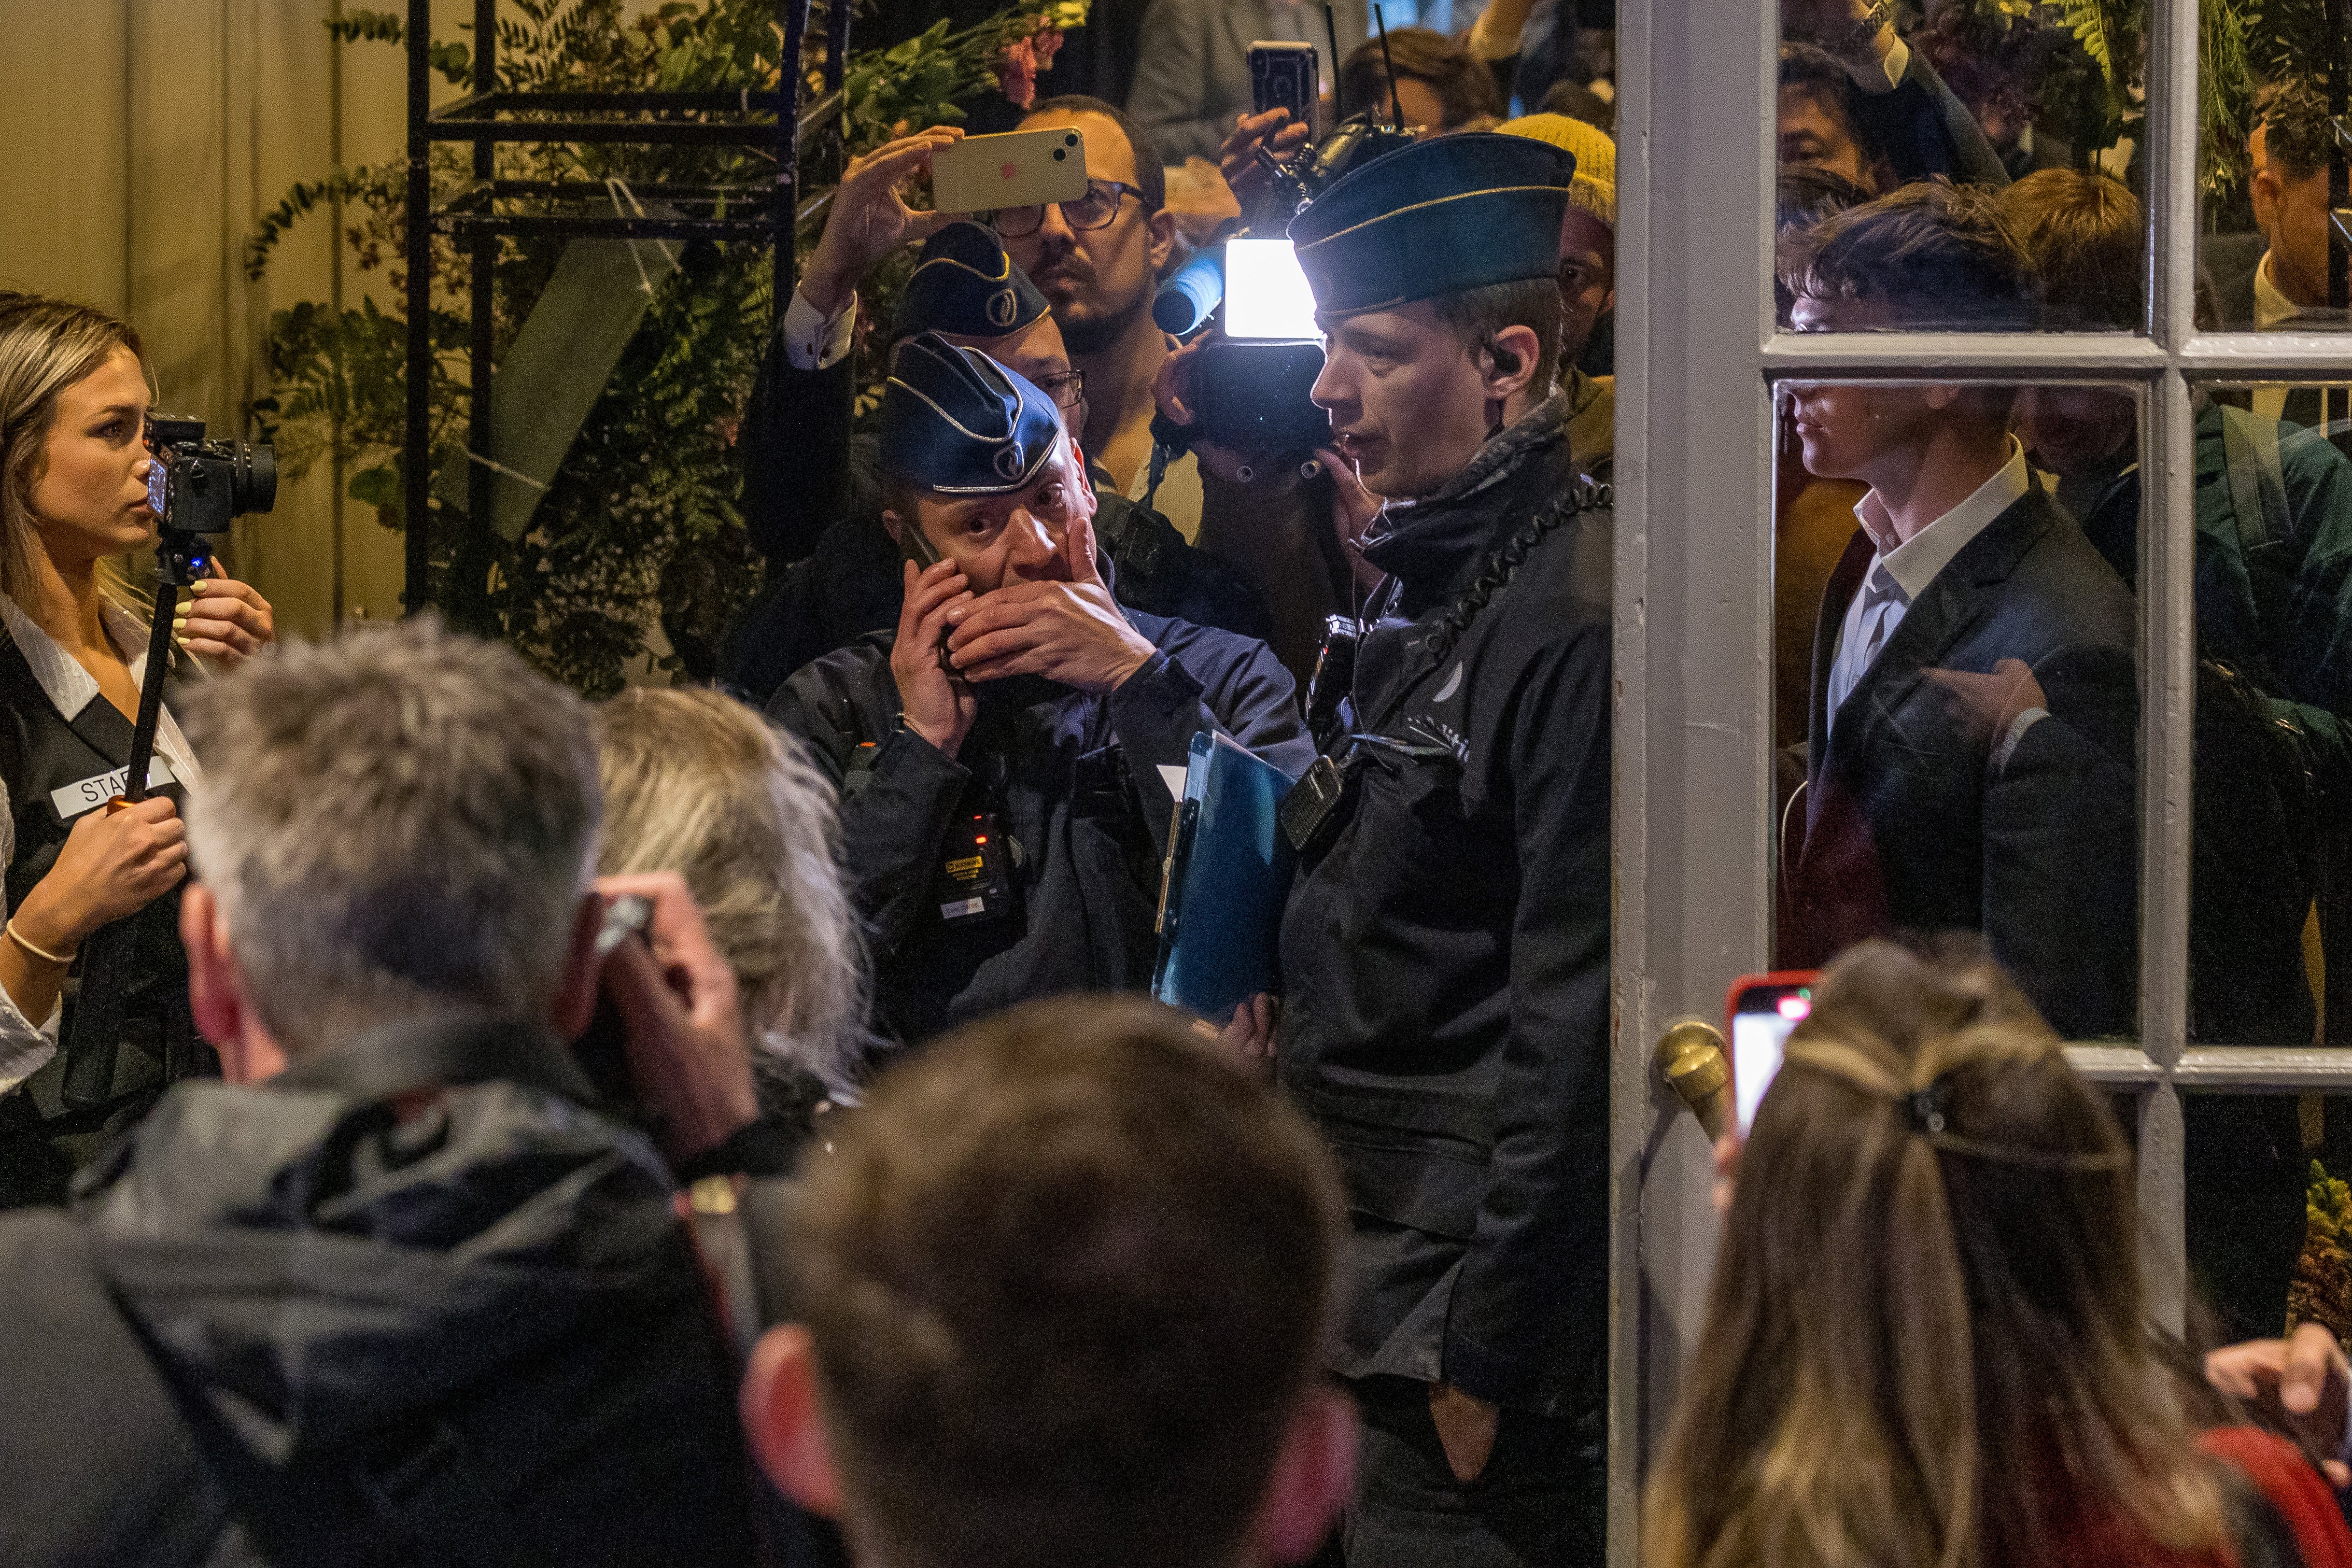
x: 999, y: 753
x: 1445, y: 948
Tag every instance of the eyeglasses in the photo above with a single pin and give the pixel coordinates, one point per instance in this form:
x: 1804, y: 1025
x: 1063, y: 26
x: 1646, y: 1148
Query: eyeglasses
x: 1068, y: 390
x: 1091, y: 211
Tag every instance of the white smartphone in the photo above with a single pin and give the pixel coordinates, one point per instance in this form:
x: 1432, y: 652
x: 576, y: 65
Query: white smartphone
x: 1017, y: 169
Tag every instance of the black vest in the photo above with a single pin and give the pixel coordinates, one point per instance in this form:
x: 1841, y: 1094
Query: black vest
x: 56, y: 1120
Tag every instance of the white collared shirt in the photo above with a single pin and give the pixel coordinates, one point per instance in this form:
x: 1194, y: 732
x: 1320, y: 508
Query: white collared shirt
x: 2273, y: 308
x: 1897, y: 578
x: 25, y: 1046
x: 813, y: 340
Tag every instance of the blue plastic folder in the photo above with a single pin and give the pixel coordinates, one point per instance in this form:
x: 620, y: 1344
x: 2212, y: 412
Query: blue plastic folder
x: 1228, y: 875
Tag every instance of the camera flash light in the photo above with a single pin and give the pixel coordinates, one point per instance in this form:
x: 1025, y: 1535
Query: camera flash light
x: 1266, y: 295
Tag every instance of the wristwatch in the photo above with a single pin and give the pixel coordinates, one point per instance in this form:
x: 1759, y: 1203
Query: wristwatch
x: 1859, y: 39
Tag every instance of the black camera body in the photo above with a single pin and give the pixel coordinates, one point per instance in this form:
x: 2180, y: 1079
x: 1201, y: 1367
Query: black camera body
x: 1251, y: 396
x: 200, y: 486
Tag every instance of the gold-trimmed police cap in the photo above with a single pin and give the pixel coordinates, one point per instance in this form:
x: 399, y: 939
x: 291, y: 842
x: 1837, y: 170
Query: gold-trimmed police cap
x: 1446, y: 213
x: 964, y: 283
x: 956, y: 423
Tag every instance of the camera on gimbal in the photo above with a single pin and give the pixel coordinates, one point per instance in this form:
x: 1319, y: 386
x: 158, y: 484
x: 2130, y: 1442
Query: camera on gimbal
x: 200, y: 486
x: 1250, y: 384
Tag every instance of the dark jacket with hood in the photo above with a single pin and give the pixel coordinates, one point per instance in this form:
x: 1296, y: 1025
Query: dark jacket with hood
x: 1445, y: 950
x: 282, y: 1326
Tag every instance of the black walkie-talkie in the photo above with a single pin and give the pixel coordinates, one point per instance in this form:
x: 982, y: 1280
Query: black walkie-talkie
x: 975, y: 872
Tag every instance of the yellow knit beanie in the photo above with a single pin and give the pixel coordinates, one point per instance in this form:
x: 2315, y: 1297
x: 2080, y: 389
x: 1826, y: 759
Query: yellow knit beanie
x: 1594, y: 186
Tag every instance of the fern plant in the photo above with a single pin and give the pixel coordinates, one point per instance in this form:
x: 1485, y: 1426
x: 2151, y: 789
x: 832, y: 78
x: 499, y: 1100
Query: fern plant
x: 2083, y: 64
x: 640, y: 526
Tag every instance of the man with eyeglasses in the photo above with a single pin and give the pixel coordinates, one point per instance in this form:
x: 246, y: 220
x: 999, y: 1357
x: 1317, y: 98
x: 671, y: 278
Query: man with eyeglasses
x: 1099, y: 259
x: 810, y: 496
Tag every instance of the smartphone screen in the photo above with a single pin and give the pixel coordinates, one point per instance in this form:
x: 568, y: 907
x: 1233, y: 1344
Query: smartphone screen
x: 1764, y: 1009
x: 1266, y: 295
x: 1283, y: 76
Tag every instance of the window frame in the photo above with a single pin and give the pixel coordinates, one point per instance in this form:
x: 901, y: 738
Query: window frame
x: 1694, y: 828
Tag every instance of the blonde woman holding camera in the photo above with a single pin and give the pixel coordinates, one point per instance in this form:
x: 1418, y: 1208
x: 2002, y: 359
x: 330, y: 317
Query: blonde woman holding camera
x: 73, y: 498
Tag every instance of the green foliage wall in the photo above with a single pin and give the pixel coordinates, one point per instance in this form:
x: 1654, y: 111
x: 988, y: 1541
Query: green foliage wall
x: 640, y: 526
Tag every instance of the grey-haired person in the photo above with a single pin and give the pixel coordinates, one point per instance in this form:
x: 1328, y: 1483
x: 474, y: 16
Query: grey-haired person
x: 402, y: 1289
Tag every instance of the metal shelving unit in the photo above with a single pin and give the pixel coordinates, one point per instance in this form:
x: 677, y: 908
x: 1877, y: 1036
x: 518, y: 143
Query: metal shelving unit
x: 489, y: 208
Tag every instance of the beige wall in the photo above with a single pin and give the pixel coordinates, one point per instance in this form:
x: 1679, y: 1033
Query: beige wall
x: 139, y: 140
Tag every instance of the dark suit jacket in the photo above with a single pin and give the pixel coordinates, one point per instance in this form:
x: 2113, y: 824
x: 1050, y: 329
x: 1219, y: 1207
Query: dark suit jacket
x: 2229, y: 263
x: 1908, y: 827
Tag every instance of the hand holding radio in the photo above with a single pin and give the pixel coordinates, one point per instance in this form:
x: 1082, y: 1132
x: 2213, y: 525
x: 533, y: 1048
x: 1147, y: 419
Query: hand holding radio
x: 870, y: 217
x: 938, y: 702
x: 1070, y: 631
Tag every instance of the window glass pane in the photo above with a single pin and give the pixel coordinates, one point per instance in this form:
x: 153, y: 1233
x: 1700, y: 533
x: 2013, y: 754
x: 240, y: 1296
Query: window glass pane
x: 2264, y: 151
x: 2251, y: 1182
x: 1957, y: 685
x: 2004, y: 101
x: 2271, y: 881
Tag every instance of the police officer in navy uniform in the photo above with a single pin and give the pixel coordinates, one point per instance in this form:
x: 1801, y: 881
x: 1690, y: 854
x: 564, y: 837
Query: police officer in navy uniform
x: 1446, y: 948
x: 811, y: 495
x: 1001, y: 752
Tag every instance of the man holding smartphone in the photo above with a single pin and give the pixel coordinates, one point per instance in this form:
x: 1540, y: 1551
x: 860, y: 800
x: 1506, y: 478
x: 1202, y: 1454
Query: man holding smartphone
x: 1004, y: 755
x: 810, y: 500
x: 1445, y: 949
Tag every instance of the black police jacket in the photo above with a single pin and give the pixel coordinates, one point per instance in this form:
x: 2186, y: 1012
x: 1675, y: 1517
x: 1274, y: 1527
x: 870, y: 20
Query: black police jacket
x: 285, y: 1325
x: 813, y: 505
x: 1446, y: 953
x: 1071, y: 781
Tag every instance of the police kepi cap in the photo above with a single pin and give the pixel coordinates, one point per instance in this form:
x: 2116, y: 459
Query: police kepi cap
x: 957, y: 423
x: 964, y: 283
x: 1446, y: 213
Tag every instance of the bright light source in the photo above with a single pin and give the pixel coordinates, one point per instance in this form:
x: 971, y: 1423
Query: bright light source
x: 1794, y: 1008
x: 1266, y: 293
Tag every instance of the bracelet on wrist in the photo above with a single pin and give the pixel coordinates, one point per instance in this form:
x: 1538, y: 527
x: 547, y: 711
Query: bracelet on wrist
x: 43, y: 953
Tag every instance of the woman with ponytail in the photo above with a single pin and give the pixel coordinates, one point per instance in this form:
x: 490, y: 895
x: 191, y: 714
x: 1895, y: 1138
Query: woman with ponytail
x: 73, y: 643
x: 1927, y: 1344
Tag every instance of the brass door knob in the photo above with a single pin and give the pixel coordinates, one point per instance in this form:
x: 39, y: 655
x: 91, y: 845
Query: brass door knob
x: 1690, y: 1058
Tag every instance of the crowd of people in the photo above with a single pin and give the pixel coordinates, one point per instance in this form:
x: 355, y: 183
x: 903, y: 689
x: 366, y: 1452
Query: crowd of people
x: 728, y: 1126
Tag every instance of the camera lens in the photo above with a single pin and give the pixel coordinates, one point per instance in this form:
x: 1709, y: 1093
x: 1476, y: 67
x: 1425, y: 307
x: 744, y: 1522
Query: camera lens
x: 253, y: 477
x: 1060, y: 153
